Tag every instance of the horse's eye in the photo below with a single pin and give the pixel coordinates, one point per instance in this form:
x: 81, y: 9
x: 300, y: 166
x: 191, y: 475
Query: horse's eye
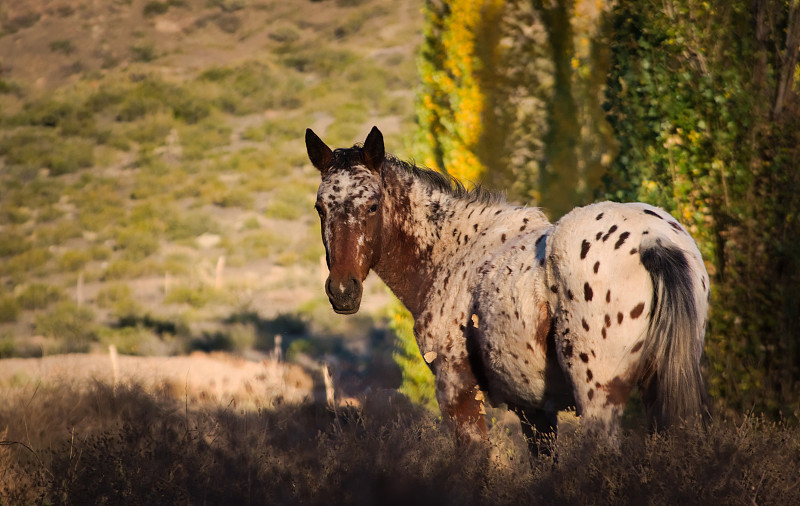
x: 373, y: 209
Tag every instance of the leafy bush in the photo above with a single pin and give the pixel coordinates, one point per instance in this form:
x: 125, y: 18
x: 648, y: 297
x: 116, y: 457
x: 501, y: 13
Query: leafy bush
x: 62, y: 46
x: 9, y: 309
x: 73, y: 327
x: 38, y: 296
x: 155, y: 8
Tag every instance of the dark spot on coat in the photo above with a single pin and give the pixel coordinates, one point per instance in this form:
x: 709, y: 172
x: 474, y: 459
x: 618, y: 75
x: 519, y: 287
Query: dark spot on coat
x: 651, y: 213
x: 589, y: 375
x: 584, y: 357
x: 637, y: 347
x: 568, y: 350
x: 585, y: 325
x: 598, y: 236
x: 590, y: 394
x: 475, y: 227
x: 634, y: 251
x: 610, y: 231
x: 703, y: 282
x: 619, y: 318
x: 675, y: 225
x: 622, y: 237
x: 503, y: 238
x: 608, y: 320
x: 596, y: 267
x: 585, y: 248
x: 617, y: 391
x: 599, y: 216
x: 587, y: 292
x: 603, y: 332
x: 570, y: 295
x: 608, y: 296
x: 543, y: 327
x: 554, y: 288
x: 636, y: 312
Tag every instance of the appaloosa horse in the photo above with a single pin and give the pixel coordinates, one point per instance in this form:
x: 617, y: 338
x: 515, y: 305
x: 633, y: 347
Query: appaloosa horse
x: 540, y: 316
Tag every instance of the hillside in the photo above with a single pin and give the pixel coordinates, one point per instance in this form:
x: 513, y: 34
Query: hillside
x: 154, y: 188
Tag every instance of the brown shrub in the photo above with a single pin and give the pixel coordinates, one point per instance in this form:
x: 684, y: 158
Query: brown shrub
x: 126, y: 446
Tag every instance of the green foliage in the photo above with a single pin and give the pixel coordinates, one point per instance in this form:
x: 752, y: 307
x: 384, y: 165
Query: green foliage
x: 155, y: 8
x: 418, y: 382
x: 62, y: 46
x: 693, y: 112
x: 9, y: 309
x: 37, y: 148
x: 196, y: 295
x: 38, y: 296
x: 73, y: 327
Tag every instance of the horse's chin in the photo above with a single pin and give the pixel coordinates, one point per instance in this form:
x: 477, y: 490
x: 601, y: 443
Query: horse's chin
x: 347, y: 309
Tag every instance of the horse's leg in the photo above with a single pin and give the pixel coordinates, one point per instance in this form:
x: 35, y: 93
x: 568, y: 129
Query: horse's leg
x: 460, y: 399
x: 540, y: 428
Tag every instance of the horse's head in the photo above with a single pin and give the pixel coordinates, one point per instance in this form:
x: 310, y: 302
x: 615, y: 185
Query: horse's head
x: 350, y: 207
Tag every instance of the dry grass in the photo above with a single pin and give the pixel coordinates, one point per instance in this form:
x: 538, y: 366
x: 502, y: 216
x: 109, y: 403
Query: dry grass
x: 128, y: 446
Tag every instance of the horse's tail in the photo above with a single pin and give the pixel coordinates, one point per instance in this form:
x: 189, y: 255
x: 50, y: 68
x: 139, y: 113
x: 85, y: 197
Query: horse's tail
x: 670, y: 377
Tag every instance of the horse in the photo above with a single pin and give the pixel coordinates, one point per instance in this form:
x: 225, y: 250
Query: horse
x: 535, y: 315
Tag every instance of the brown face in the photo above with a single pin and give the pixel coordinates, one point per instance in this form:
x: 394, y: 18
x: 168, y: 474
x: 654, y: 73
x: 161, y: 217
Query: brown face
x: 350, y: 207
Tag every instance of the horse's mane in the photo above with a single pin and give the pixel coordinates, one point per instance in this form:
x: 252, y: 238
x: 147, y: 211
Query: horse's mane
x: 343, y: 158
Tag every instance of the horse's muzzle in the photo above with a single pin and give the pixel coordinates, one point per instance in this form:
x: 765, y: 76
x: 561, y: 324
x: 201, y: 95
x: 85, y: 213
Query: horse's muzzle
x: 345, y: 295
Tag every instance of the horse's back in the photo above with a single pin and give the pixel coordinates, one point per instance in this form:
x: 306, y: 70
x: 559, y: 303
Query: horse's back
x: 603, y: 294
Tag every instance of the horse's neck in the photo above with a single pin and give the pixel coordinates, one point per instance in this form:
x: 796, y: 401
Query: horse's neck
x: 419, y: 238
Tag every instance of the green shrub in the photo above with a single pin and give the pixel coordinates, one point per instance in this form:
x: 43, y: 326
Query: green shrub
x: 9, y: 309
x: 38, y: 296
x: 9, y: 87
x: 155, y: 8
x: 21, y: 266
x: 8, y: 346
x: 285, y: 34
x: 73, y: 326
x: 197, y: 296
x: 143, y: 52
x: 20, y: 22
x: 197, y: 139
x: 44, y: 149
x: 73, y: 260
x: 62, y: 46
x: 228, y: 22
x: 136, y: 242
x: 188, y: 225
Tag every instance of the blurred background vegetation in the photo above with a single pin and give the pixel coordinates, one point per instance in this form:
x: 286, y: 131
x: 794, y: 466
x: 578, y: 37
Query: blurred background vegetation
x: 689, y: 105
x: 155, y: 192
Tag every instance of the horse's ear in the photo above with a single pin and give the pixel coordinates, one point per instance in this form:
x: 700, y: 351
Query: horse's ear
x: 374, y: 152
x: 318, y: 152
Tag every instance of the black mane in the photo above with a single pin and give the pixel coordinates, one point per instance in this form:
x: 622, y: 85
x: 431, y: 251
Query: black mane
x: 347, y: 157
